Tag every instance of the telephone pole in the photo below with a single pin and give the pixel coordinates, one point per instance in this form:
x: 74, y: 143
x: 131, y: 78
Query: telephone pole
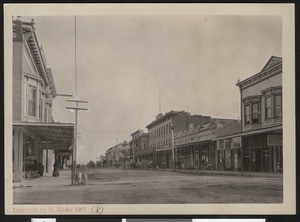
x: 74, y: 153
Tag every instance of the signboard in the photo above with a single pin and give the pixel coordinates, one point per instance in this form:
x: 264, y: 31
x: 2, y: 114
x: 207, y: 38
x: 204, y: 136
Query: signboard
x: 274, y: 140
x: 52, y: 146
x: 64, y: 153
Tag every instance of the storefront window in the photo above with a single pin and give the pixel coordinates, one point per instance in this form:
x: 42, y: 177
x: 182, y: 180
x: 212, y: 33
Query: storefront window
x: 228, y: 158
x: 221, y: 144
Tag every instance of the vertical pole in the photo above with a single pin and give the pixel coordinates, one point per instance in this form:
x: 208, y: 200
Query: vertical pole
x: 242, y: 156
x: 75, y: 142
x: 47, y: 161
x: 274, y: 159
x: 173, y: 148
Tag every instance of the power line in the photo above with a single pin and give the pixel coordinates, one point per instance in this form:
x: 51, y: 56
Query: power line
x: 95, y: 131
x: 232, y: 108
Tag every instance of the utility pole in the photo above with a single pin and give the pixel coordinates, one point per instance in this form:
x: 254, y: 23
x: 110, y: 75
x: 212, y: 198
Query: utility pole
x: 173, y: 147
x: 74, y: 153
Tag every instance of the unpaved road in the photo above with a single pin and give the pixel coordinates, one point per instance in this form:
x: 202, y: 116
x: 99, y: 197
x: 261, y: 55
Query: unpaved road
x: 119, y: 186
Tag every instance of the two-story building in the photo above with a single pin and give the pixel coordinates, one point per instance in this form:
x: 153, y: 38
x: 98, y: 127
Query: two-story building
x: 161, y: 132
x: 259, y: 145
x: 142, y: 153
x: 261, y: 111
x: 37, y: 139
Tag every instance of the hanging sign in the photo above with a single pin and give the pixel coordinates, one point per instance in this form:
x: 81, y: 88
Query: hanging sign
x: 52, y: 146
x: 274, y: 140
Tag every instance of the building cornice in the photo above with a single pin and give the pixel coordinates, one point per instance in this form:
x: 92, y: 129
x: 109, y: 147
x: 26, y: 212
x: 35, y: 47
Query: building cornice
x: 261, y: 76
x: 162, y: 118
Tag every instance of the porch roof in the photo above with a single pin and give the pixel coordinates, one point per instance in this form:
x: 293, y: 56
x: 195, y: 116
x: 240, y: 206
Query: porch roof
x: 53, y: 136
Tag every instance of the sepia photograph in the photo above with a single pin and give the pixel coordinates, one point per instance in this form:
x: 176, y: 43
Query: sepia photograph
x: 173, y: 109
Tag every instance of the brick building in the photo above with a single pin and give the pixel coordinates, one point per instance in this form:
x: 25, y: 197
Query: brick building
x: 161, y: 134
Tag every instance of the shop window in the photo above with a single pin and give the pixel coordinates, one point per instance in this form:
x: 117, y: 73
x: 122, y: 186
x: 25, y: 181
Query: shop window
x: 31, y: 101
x: 228, y: 144
x: 221, y: 144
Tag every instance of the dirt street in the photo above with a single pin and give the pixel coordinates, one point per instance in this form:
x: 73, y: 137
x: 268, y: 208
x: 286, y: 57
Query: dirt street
x: 124, y: 186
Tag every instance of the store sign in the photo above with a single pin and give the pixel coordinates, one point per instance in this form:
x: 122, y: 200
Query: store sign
x: 64, y: 154
x: 237, y: 142
x: 274, y: 140
x: 52, y: 146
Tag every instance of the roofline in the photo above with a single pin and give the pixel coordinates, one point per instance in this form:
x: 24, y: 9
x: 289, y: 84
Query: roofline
x: 252, y: 132
x: 32, y: 30
x: 41, y: 124
x: 172, y: 112
x: 239, y: 84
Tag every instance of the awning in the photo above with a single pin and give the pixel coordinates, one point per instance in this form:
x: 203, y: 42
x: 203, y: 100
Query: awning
x: 253, y: 132
x: 53, y: 136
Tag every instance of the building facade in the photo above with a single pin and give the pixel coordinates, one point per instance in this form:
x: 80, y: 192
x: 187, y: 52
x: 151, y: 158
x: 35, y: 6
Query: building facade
x: 261, y: 111
x: 228, y: 155
x: 116, y: 156
x: 37, y: 140
x: 258, y: 146
x: 195, y: 148
x: 161, y: 134
x: 142, y: 153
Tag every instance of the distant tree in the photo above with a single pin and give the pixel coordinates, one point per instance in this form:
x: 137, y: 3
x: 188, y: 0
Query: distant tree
x: 98, y: 164
x: 91, y: 164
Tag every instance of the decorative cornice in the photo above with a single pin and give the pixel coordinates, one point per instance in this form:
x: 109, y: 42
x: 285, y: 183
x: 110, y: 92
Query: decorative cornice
x: 264, y: 74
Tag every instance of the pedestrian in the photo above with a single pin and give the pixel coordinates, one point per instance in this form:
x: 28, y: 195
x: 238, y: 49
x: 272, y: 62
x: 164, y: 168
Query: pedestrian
x: 56, y: 166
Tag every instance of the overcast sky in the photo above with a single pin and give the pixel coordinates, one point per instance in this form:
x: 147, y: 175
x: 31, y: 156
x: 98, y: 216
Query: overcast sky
x: 123, y: 61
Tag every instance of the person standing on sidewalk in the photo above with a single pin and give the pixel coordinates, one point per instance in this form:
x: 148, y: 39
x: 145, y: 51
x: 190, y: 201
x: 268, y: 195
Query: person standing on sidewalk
x: 56, y: 166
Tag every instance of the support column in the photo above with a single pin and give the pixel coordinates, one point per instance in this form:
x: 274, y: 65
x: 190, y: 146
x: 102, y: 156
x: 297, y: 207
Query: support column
x: 18, y: 154
x: 274, y: 158
x: 194, y: 157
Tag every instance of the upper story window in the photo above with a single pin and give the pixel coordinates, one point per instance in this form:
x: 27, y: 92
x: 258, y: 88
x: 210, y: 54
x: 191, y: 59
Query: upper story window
x: 269, y: 107
x: 40, y: 106
x: 247, y: 114
x: 45, y: 113
x: 273, y: 101
x: 255, y: 112
x: 278, y: 106
x: 31, y: 101
x: 252, y: 113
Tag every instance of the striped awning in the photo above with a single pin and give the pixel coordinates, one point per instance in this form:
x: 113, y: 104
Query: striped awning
x: 52, y: 136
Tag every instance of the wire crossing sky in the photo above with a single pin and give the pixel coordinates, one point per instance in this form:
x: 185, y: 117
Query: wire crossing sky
x: 123, y: 62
